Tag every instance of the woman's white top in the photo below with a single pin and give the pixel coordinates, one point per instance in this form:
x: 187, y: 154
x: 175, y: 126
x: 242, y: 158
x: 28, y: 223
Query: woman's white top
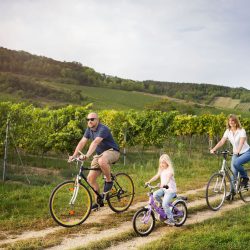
x: 234, y: 138
x: 165, y: 175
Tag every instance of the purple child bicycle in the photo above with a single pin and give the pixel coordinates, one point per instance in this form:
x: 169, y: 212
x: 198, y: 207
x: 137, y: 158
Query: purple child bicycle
x: 144, y: 219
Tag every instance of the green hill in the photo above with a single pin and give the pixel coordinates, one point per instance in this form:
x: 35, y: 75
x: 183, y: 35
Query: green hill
x: 44, y: 81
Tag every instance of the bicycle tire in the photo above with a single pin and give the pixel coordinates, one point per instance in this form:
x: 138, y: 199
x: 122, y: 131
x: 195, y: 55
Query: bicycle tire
x: 216, y: 191
x: 245, y: 193
x: 180, y: 213
x: 59, y: 203
x: 122, y: 193
x: 143, y: 226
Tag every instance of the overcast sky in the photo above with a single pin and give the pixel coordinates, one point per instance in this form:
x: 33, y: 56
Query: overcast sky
x: 199, y: 41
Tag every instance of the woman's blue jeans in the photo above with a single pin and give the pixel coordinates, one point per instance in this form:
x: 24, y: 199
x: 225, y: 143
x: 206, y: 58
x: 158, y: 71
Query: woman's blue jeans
x: 237, y: 164
x: 167, y: 197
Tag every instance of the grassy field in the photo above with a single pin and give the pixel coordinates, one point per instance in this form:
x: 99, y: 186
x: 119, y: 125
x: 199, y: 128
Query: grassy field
x: 225, y: 102
x: 23, y: 205
x: 243, y: 107
x: 230, y: 231
x: 104, y: 98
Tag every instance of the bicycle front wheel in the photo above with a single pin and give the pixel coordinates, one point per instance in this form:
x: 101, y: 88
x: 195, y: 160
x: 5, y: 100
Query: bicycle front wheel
x: 179, y: 211
x: 216, y: 191
x: 122, y: 193
x: 69, y: 205
x: 143, y: 222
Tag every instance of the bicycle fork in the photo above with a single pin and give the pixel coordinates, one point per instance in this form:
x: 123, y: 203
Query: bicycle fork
x: 219, y: 184
x: 75, y: 192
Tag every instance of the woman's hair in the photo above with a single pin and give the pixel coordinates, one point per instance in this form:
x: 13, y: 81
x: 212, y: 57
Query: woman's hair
x: 235, y: 119
x: 166, y: 158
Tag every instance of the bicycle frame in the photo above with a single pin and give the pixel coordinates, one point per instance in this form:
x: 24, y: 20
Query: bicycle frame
x: 226, y: 171
x: 153, y: 207
x: 80, y: 176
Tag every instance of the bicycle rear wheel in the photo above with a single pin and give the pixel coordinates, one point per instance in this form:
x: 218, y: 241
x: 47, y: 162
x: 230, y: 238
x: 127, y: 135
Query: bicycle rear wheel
x: 122, y: 194
x: 245, y: 193
x: 143, y: 222
x: 179, y: 211
x: 216, y: 191
x: 64, y: 210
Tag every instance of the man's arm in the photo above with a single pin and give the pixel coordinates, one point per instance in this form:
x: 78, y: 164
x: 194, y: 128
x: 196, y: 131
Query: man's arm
x: 79, y: 147
x: 93, y: 146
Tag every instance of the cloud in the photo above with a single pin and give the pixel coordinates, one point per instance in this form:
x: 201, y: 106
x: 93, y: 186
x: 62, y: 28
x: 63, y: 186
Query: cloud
x: 183, y: 41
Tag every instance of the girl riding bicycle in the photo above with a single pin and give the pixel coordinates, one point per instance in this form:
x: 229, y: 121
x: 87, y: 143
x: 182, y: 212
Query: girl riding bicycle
x: 165, y: 195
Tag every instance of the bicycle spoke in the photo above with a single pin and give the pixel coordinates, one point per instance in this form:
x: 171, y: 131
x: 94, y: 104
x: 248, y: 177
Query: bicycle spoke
x: 122, y: 193
x: 70, y: 206
x: 245, y: 193
x: 216, y: 191
x: 143, y: 222
x: 180, y: 213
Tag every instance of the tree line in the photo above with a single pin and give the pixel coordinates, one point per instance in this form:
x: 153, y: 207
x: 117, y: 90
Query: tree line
x: 24, y: 63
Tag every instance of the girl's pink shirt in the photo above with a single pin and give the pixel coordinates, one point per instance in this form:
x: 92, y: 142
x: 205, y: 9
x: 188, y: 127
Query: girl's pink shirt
x: 165, y: 174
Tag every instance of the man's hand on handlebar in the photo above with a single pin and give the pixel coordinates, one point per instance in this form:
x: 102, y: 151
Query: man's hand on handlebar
x: 83, y: 157
x: 71, y: 158
x: 212, y: 151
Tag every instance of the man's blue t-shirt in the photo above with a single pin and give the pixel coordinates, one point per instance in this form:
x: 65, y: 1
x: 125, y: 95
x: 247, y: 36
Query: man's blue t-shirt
x: 103, y: 132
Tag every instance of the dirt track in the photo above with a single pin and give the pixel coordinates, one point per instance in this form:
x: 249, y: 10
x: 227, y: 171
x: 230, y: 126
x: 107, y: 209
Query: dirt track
x: 81, y: 240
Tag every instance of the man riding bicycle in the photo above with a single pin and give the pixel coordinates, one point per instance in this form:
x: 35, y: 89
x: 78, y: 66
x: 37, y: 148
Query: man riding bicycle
x: 107, y: 152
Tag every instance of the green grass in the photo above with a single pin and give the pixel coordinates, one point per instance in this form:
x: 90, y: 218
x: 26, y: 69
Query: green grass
x: 22, y: 204
x: 225, y: 102
x: 104, y: 98
x: 231, y: 231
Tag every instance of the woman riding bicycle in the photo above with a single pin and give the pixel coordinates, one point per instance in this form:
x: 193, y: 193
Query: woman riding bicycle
x: 241, y: 150
x: 166, y: 173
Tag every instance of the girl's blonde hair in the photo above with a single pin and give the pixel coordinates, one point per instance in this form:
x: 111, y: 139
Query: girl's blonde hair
x: 166, y: 158
x: 235, y: 119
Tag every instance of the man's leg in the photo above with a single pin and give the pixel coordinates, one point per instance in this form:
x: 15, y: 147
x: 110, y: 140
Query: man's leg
x: 104, y: 161
x: 105, y: 167
x: 93, y: 174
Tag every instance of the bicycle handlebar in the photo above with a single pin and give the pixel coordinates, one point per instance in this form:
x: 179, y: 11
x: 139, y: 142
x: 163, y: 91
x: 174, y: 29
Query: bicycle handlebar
x: 80, y: 158
x: 224, y: 152
x: 77, y: 159
x: 154, y: 187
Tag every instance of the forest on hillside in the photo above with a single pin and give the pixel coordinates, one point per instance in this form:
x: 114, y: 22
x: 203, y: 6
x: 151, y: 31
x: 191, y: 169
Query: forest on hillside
x: 22, y: 71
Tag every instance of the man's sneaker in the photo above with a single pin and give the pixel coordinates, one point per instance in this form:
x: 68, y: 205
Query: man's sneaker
x: 107, y: 187
x: 96, y: 206
x: 244, y: 182
x: 170, y: 222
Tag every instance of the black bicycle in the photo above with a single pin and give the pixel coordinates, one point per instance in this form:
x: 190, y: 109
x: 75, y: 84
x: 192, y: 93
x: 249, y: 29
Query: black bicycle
x: 70, y: 202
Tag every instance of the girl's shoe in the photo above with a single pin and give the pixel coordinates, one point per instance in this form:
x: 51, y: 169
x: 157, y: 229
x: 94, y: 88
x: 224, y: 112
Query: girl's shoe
x: 170, y: 222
